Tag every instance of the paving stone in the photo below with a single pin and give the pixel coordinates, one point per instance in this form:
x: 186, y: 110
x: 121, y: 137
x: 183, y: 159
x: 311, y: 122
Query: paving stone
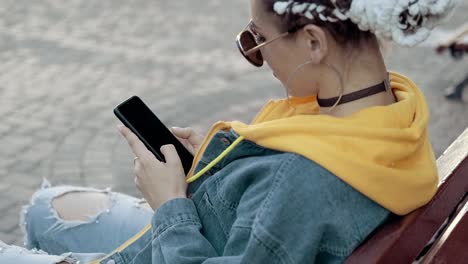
x: 9, y: 220
x: 26, y: 180
x: 9, y: 238
x: 7, y: 202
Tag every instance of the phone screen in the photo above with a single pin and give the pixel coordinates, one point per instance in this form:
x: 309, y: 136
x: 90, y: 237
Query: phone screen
x: 151, y: 131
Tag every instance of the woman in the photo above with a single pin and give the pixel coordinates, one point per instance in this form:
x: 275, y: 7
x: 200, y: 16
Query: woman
x: 307, y: 181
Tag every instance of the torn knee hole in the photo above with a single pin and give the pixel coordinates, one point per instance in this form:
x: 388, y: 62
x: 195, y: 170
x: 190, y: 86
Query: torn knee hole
x: 81, y: 205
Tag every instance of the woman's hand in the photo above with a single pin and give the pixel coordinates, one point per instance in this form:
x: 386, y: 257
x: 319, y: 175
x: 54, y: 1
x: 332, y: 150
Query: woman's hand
x: 159, y: 182
x: 188, y: 137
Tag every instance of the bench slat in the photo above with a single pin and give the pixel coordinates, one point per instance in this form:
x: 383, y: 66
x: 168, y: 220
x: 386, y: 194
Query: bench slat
x: 451, y: 246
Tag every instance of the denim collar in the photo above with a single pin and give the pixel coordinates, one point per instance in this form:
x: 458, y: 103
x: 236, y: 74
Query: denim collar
x: 221, y: 140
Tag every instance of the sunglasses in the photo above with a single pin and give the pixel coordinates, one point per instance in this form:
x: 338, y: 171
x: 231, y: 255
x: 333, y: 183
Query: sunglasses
x: 250, y: 48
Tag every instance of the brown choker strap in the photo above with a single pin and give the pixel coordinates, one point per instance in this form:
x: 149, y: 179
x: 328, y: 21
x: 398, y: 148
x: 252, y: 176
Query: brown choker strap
x: 381, y: 87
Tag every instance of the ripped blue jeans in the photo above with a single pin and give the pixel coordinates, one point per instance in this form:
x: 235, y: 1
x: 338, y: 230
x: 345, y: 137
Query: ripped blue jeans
x: 49, y: 238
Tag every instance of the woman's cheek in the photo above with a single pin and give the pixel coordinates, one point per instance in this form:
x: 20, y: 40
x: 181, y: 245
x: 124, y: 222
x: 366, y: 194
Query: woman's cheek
x: 273, y: 63
x: 278, y: 61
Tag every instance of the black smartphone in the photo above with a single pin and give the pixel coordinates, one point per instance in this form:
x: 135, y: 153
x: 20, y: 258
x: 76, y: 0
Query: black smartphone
x: 135, y: 115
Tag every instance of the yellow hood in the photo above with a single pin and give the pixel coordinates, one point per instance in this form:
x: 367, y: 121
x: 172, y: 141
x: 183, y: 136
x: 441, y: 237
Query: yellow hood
x: 382, y: 151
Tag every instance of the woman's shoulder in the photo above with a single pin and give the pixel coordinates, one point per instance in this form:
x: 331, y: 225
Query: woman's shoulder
x: 307, y: 175
x: 289, y: 173
x: 308, y: 197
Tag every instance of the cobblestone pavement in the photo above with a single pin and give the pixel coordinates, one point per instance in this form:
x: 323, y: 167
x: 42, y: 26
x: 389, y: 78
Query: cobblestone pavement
x: 66, y: 64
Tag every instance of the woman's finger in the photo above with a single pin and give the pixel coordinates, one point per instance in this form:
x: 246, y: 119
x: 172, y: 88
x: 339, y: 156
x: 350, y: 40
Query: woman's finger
x: 136, y: 182
x: 170, y: 154
x: 137, y: 167
x: 138, y: 148
x: 137, y: 170
x: 182, y: 132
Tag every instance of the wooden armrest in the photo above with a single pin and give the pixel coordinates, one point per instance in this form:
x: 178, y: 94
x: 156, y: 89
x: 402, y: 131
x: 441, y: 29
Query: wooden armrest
x: 451, y: 246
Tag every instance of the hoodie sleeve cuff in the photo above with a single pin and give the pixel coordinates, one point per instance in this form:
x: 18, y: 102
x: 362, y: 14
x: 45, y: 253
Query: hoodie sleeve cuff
x: 179, y: 211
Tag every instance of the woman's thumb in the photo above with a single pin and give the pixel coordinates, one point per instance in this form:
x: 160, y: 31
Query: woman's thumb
x: 181, y: 132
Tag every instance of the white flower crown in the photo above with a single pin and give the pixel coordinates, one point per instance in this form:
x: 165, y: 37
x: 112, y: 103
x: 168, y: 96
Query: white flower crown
x: 407, y: 22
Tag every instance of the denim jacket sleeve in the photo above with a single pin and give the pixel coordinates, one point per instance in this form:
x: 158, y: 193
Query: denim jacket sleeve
x: 307, y: 216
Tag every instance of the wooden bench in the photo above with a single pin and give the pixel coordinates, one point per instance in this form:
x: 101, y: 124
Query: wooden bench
x: 435, y: 233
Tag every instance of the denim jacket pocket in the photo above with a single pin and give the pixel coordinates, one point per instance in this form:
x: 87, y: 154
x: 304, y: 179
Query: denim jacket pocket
x: 212, y: 227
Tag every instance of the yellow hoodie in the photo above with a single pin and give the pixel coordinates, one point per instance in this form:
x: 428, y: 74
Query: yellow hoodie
x: 382, y: 151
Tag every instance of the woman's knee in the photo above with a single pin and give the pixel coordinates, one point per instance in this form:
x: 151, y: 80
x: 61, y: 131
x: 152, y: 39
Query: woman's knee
x: 56, y: 208
x: 80, y: 206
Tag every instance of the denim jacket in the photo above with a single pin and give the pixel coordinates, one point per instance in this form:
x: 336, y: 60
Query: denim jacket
x: 257, y: 205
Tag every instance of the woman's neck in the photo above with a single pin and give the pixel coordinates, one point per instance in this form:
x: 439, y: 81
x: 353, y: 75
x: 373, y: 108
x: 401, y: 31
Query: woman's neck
x: 365, y: 70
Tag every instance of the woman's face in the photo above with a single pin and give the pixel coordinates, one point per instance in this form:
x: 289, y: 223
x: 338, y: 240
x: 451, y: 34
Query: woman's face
x: 283, y: 56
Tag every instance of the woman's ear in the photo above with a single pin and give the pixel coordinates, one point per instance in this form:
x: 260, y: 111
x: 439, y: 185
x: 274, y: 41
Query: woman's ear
x: 316, y: 41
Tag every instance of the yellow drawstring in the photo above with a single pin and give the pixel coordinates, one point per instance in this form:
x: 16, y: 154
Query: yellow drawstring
x: 215, y: 161
x: 189, y: 180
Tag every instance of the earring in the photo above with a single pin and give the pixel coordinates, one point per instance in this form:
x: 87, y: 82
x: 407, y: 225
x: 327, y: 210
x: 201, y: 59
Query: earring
x: 341, y: 81
x: 290, y: 77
